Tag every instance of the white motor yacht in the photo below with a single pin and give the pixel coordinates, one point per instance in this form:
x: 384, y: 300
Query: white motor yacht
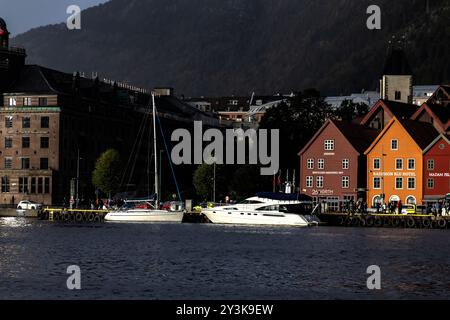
x: 266, y: 208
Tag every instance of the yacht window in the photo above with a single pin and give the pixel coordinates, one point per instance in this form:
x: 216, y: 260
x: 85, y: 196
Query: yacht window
x: 268, y: 208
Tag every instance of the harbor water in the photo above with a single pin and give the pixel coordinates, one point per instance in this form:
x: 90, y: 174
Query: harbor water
x: 206, y: 261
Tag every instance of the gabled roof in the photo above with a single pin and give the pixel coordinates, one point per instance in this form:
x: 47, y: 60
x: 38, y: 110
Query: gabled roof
x: 395, y: 109
x: 421, y: 133
x: 358, y: 136
x: 439, y: 113
x: 438, y: 138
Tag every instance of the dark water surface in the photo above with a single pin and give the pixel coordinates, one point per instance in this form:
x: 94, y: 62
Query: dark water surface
x: 205, y: 261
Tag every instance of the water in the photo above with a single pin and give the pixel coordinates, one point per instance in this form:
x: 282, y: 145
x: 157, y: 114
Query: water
x: 205, y: 261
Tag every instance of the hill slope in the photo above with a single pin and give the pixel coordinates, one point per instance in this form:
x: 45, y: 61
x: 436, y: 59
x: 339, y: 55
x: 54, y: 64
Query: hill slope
x: 220, y: 47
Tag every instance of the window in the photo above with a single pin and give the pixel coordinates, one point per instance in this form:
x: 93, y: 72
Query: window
x: 26, y: 122
x: 8, y: 142
x: 12, y: 102
x: 27, y: 101
x: 398, y: 95
x: 376, y: 164
x: 430, y: 164
x: 430, y: 183
x: 309, y: 182
x: 33, y: 185
x: 329, y: 145
x: 320, y: 164
x: 345, y: 164
x: 44, y: 164
x: 377, y: 183
x: 39, y: 187
x: 44, y: 142
x: 310, y: 163
x: 25, y: 142
x: 45, y: 121
x: 411, y: 183
x: 5, y: 184
x: 23, y: 185
x: 9, y: 122
x: 25, y: 163
x: 398, y: 183
x: 319, y: 182
x: 411, y: 164
x: 42, y: 102
x: 394, y: 144
x: 8, y: 163
x: 345, y: 182
x: 398, y: 164
x: 47, y: 185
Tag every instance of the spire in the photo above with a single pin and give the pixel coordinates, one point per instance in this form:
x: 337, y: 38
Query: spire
x: 396, y: 62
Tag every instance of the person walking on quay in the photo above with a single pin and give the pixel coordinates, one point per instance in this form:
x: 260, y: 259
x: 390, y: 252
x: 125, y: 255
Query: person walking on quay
x: 400, y: 206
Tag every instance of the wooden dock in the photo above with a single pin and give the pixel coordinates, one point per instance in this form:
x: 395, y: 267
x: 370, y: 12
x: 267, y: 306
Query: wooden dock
x: 72, y: 215
x: 386, y: 220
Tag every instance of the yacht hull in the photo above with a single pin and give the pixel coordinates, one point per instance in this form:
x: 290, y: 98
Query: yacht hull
x: 145, y: 216
x: 251, y: 218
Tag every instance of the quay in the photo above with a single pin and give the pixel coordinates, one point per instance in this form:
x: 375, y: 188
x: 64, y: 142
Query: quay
x: 379, y: 220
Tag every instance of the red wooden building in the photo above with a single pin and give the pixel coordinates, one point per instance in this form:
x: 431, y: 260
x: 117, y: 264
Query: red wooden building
x: 436, y: 169
x: 333, y: 165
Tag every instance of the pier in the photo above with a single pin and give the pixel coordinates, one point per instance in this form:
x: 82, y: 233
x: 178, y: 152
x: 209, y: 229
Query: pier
x: 380, y: 220
x: 75, y: 215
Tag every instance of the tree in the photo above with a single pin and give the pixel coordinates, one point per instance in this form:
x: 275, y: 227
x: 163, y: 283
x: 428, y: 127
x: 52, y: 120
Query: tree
x: 349, y: 110
x: 107, y: 172
x: 298, y: 120
x: 203, y: 181
x: 246, y: 181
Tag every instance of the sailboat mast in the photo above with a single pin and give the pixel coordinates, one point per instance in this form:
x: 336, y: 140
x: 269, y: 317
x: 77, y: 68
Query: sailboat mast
x: 155, y: 151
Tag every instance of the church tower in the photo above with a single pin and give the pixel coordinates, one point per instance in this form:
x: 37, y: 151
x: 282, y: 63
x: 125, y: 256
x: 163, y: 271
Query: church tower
x: 11, y: 59
x: 397, y: 80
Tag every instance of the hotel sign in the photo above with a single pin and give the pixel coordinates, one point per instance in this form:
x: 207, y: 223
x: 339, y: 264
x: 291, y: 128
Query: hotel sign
x: 394, y: 174
x: 328, y: 172
x: 439, y: 174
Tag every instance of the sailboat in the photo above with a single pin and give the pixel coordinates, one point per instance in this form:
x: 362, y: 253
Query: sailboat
x: 148, y: 210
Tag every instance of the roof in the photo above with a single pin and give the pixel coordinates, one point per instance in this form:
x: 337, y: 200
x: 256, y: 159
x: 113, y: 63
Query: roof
x: 422, y: 133
x: 438, y: 138
x: 360, y: 137
x: 439, y: 113
x: 396, y: 63
x: 395, y: 109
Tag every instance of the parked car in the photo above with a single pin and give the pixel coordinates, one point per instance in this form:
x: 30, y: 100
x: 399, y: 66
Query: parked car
x: 409, y: 209
x: 28, y: 205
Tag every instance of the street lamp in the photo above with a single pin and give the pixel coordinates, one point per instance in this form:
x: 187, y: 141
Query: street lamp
x: 78, y: 177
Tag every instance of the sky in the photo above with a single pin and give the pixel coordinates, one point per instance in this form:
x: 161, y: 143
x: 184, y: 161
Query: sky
x: 22, y: 15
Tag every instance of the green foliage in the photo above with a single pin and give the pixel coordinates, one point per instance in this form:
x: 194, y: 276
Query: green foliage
x: 107, y: 172
x: 203, y: 181
x: 297, y: 121
x: 246, y: 181
x: 349, y: 110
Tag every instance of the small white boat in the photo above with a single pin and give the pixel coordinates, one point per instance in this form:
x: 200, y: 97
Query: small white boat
x: 144, y: 211
x: 266, y: 209
x: 148, y: 210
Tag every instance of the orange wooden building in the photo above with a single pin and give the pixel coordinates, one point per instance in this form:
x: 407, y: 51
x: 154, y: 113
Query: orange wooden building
x: 395, y: 162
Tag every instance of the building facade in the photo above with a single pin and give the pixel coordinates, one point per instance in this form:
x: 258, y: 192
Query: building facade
x: 395, y: 162
x: 436, y: 169
x: 333, y: 165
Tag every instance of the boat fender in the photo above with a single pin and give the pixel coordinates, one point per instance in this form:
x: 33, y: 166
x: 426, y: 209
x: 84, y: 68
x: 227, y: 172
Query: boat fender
x: 411, y: 223
x: 442, y: 223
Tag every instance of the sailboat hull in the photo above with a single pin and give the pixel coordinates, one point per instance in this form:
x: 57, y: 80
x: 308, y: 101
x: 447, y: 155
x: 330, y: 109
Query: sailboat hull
x: 145, y: 216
